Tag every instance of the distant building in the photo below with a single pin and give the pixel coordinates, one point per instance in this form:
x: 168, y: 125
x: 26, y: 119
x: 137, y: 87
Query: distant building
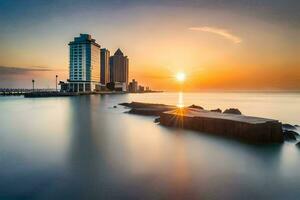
x: 120, y: 86
x: 147, y: 88
x: 84, y: 64
x: 133, y: 86
x: 141, y: 88
x: 63, y: 86
x: 119, y: 67
x: 104, y: 65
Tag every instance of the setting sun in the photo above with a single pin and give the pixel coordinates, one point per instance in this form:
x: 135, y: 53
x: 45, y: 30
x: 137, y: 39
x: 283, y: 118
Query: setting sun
x: 180, y: 76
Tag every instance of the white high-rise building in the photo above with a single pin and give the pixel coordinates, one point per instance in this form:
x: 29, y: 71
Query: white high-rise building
x: 84, y: 68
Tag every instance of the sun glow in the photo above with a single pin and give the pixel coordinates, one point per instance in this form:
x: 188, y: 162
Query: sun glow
x: 180, y: 76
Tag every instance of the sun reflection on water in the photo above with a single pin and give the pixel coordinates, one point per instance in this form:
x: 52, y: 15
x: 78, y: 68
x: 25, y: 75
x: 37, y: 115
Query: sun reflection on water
x: 180, y: 103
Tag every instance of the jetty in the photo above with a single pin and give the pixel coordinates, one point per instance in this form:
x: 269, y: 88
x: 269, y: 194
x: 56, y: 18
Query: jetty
x: 252, y: 129
x: 238, y: 126
x: 49, y: 94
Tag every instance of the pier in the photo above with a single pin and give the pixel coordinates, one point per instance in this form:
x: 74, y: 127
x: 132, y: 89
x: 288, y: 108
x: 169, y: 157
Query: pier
x: 252, y: 129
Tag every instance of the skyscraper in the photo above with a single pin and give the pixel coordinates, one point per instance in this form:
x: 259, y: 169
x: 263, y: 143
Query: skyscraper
x: 104, y: 65
x: 84, y: 64
x: 119, y: 67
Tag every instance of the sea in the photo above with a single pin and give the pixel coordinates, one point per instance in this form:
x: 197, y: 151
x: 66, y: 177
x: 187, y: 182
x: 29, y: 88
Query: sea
x: 84, y: 148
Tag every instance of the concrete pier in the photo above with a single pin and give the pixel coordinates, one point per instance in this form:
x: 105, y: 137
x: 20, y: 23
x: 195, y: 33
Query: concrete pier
x: 252, y: 129
x: 49, y: 94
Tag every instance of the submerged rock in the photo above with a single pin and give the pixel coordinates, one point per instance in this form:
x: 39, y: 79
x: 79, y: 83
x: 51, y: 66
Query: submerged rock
x: 291, y: 132
x: 147, y: 108
x: 146, y: 105
x: 298, y: 144
x: 233, y: 111
x: 195, y: 106
x: 289, y: 135
x: 157, y: 120
x: 115, y: 107
x: 216, y: 110
x: 288, y: 126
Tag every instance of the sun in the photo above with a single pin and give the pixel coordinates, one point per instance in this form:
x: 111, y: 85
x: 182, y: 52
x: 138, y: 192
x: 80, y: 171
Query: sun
x: 180, y: 76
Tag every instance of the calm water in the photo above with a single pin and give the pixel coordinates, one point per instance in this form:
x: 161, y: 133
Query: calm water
x: 82, y: 148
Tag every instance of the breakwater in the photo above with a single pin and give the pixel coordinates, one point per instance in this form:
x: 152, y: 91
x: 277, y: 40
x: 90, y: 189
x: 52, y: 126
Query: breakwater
x: 230, y: 123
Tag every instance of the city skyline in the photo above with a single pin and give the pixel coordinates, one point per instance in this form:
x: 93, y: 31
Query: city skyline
x: 218, y: 44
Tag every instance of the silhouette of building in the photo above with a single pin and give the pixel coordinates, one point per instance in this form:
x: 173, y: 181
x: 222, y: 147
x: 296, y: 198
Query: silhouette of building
x: 119, y: 67
x: 133, y: 86
x: 141, y: 88
x: 104, y: 65
x: 120, y: 86
x: 84, y: 64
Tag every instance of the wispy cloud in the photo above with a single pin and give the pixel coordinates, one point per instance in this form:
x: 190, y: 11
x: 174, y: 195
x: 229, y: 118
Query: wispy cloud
x: 7, y: 70
x: 218, y: 31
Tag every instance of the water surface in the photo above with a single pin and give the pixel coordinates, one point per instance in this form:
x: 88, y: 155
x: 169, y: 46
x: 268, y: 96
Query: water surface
x: 83, y: 148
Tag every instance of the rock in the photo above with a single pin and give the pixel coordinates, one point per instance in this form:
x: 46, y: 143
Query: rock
x: 298, y: 144
x: 125, y: 104
x: 195, y: 106
x: 232, y: 111
x: 288, y: 126
x: 291, y: 132
x: 147, y: 105
x: 115, y: 107
x: 288, y: 135
x: 148, y: 111
x: 147, y: 108
x: 157, y: 120
x: 216, y: 110
x: 297, y: 125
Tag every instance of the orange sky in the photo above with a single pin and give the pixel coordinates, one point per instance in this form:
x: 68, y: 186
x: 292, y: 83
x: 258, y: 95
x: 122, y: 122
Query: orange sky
x: 217, y: 49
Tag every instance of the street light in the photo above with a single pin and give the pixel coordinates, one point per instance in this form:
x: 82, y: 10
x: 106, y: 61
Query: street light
x: 56, y: 82
x: 32, y: 84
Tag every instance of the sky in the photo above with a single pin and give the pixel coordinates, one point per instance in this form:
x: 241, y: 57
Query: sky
x: 219, y: 44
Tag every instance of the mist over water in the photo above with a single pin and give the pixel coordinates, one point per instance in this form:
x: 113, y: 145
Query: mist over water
x: 83, y: 148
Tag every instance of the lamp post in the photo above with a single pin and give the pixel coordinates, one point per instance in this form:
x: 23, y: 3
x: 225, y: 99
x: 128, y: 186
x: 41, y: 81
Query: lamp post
x: 56, y: 82
x: 33, y: 85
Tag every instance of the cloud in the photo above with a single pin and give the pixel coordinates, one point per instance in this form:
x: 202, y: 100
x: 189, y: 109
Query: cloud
x: 221, y: 32
x: 6, y: 70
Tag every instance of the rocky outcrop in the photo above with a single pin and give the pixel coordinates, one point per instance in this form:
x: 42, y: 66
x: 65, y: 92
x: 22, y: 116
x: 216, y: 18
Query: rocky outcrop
x: 290, y: 135
x: 195, y: 106
x: 147, y: 108
x: 216, y: 110
x: 233, y: 111
x: 157, y: 120
x: 288, y: 127
x: 298, y: 144
x: 291, y: 132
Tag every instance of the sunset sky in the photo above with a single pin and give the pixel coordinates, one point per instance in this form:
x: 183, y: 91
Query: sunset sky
x: 219, y: 44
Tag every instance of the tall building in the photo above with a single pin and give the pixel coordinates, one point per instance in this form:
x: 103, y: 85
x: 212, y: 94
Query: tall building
x: 119, y: 67
x: 104, y: 65
x: 84, y: 64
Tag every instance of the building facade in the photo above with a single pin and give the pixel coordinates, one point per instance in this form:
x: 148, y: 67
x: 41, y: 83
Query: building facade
x: 133, y: 86
x: 119, y: 66
x: 84, y: 75
x: 104, y: 66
